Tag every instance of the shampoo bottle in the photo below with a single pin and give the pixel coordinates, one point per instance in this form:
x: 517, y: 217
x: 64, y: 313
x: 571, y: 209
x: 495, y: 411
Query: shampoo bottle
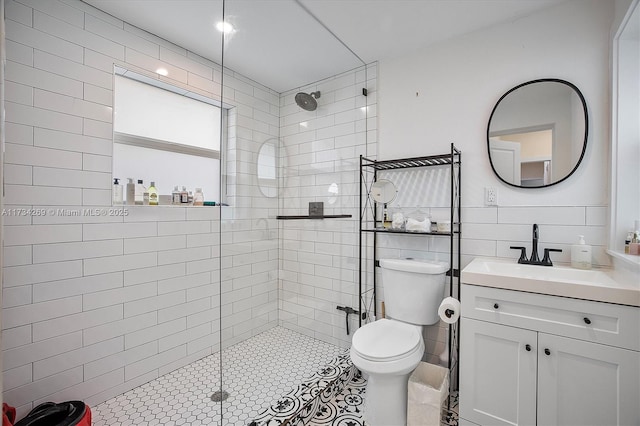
x: 153, y: 195
x: 140, y: 190
x: 131, y: 192
x: 581, y: 254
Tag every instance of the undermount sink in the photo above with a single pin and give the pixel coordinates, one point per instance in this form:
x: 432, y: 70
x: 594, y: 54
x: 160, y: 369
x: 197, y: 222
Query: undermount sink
x: 590, y: 284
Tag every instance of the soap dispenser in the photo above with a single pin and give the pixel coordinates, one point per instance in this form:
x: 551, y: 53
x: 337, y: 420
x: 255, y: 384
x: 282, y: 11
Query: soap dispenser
x: 581, y: 254
x: 117, y: 192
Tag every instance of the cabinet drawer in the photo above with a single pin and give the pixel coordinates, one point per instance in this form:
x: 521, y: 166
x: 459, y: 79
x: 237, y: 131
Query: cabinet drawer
x: 609, y: 324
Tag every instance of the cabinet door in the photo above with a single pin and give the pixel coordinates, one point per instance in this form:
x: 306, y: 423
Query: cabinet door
x: 583, y: 383
x: 497, y: 374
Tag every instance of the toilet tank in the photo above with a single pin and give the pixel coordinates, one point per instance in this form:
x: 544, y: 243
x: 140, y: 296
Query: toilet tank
x: 413, y: 289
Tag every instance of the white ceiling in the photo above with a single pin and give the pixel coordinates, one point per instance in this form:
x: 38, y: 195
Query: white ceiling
x: 280, y: 45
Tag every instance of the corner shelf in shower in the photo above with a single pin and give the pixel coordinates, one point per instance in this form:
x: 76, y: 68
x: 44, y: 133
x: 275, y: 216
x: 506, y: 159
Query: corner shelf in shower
x: 371, y: 224
x: 326, y: 216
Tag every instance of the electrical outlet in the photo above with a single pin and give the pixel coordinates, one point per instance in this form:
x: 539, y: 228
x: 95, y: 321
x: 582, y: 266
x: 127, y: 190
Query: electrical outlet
x: 490, y: 196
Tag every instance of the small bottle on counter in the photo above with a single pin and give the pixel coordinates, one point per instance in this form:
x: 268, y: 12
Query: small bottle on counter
x: 153, y: 194
x: 627, y: 241
x: 634, y: 245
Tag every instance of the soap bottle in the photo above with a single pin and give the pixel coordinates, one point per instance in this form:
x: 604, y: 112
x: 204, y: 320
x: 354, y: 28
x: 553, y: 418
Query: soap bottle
x: 131, y: 192
x: 153, y: 194
x: 198, y: 197
x: 581, y: 254
x: 175, y: 196
x: 140, y: 189
x: 117, y: 192
x: 184, y: 196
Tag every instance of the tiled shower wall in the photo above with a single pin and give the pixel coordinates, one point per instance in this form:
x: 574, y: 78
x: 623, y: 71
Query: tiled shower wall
x: 320, y: 161
x: 96, y: 305
x: 249, y: 230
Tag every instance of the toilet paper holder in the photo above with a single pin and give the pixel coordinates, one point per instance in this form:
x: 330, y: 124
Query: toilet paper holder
x: 449, y: 313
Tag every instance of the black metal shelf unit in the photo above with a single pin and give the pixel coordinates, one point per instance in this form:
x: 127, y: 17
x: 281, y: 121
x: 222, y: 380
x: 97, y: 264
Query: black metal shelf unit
x: 370, y: 223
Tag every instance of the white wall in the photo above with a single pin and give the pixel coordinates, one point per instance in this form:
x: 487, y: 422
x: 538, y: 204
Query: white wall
x: 445, y: 93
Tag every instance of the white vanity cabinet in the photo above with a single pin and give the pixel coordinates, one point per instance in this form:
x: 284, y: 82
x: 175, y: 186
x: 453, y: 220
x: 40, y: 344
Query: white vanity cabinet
x: 528, y: 359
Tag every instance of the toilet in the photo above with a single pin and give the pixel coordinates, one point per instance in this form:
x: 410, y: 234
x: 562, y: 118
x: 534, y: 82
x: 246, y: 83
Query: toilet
x: 388, y: 350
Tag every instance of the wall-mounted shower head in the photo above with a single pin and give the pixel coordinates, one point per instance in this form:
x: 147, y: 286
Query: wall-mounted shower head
x: 307, y: 101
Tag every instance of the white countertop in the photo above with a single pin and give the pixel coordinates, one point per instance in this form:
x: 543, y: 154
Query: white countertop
x: 594, y: 284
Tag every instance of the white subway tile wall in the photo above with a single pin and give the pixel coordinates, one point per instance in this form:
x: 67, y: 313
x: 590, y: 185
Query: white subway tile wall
x: 98, y: 304
x: 320, y: 162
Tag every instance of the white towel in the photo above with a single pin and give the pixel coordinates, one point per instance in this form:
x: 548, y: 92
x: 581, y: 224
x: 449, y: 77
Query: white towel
x: 417, y: 225
x: 397, y: 221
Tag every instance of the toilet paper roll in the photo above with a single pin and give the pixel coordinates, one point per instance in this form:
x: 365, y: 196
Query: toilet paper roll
x: 449, y: 310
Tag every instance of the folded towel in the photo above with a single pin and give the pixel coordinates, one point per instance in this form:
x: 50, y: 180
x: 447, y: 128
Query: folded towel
x: 417, y: 225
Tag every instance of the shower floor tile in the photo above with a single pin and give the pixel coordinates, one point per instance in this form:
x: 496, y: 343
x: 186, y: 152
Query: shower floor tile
x: 255, y: 373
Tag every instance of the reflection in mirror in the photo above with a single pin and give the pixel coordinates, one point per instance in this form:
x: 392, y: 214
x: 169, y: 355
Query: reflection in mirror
x: 334, y: 191
x: 267, y: 169
x: 383, y: 191
x: 537, y: 133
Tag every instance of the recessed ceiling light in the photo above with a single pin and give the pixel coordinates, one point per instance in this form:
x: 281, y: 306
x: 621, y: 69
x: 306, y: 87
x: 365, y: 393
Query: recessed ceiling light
x: 224, y: 27
x: 162, y: 71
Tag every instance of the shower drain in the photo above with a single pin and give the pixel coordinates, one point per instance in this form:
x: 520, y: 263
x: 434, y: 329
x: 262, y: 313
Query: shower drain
x: 219, y: 396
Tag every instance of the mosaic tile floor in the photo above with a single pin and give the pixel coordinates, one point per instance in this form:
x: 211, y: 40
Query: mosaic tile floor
x: 346, y: 408
x: 256, y: 373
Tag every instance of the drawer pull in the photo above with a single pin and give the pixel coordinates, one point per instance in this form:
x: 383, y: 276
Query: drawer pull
x: 528, y: 348
x: 547, y: 351
x: 496, y: 306
x: 587, y: 320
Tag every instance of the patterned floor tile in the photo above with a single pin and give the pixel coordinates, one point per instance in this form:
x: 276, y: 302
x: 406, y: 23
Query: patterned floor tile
x: 255, y: 373
x: 346, y: 408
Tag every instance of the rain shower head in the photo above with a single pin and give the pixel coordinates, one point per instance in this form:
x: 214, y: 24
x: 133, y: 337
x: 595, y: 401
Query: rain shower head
x: 307, y: 101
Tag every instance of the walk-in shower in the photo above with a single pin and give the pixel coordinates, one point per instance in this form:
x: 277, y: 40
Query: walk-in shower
x: 164, y: 308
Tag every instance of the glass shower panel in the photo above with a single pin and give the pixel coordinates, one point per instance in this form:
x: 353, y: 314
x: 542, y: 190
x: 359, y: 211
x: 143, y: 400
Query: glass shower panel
x: 296, y: 125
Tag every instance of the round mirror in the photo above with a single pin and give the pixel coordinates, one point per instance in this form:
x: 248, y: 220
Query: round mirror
x: 383, y: 191
x: 266, y: 169
x: 537, y: 133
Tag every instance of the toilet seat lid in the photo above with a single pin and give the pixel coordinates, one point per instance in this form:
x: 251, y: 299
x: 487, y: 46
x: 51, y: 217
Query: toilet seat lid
x: 386, y: 340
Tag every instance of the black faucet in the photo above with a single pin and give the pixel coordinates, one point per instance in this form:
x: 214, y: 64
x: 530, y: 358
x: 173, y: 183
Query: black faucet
x: 535, y: 260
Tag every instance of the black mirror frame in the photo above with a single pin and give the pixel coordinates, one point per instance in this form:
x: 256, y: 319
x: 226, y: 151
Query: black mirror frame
x: 586, y: 129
